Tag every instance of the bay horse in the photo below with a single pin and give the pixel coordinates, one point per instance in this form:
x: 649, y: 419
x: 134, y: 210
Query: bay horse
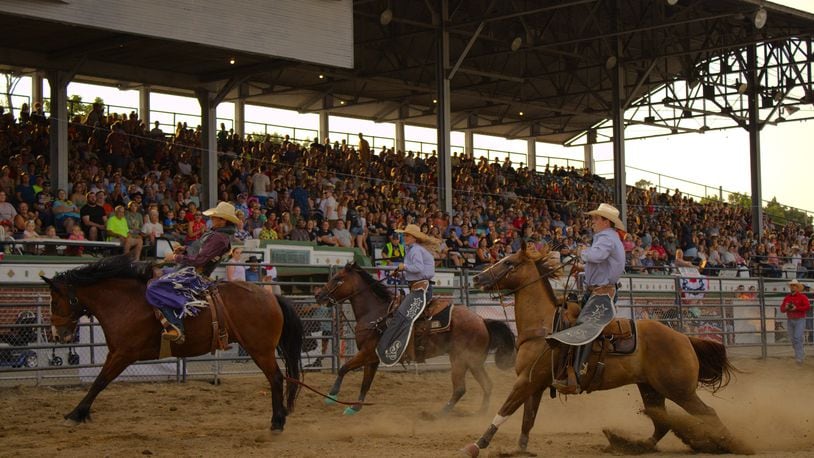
x: 467, y: 342
x: 665, y: 365
x: 112, y: 290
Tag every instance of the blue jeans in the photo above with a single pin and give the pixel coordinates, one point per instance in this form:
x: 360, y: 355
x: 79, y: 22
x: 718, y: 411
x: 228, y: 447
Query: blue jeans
x: 796, y: 328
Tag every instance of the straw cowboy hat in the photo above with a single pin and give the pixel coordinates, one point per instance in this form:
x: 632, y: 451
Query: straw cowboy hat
x: 430, y: 243
x: 609, y: 212
x: 224, y: 210
x: 415, y: 231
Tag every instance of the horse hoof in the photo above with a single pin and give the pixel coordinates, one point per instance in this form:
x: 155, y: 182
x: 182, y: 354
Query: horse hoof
x: 620, y: 443
x: 330, y: 400
x: 470, y: 450
x: 350, y: 411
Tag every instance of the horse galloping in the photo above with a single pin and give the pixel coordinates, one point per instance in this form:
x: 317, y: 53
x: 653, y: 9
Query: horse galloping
x: 467, y: 342
x: 112, y: 290
x: 665, y: 365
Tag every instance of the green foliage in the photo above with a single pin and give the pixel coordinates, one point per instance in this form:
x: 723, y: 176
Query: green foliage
x: 75, y: 106
x: 710, y: 200
x: 782, y: 214
x: 739, y: 200
x: 643, y: 184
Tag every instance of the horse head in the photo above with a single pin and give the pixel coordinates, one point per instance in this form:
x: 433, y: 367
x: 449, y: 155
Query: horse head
x: 516, y: 270
x: 65, y: 310
x: 339, y: 287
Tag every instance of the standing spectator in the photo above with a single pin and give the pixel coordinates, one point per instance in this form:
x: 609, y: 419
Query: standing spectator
x: 235, y: 271
x: 328, y: 206
x: 795, y: 305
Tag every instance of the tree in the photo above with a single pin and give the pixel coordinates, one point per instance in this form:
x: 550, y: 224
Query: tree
x: 739, y: 200
x: 713, y: 199
x: 643, y: 184
x: 75, y: 106
x: 11, y: 82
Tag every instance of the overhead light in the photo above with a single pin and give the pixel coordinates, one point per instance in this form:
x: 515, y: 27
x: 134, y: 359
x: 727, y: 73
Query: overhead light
x: 791, y: 109
x: 610, y: 63
x: 742, y: 88
x: 516, y: 43
x: 777, y: 96
x: 520, y: 113
x: 321, y: 76
x: 760, y: 18
x: 672, y: 2
x: 232, y: 61
x: 766, y: 101
x: 386, y: 17
x: 650, y: 119
x: 341, y: 102
x: 434, y: 100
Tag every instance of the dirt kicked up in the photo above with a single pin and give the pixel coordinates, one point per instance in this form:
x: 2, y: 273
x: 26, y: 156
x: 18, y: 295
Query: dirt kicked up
x: 769, y: 407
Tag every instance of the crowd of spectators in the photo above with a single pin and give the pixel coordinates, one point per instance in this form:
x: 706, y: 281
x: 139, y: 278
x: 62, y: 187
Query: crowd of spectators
x: 133, y: 184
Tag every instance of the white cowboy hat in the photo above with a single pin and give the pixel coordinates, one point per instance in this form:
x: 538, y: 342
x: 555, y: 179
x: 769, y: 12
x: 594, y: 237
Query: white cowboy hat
x: 609, y: 212
x: 795, y: 282
x: 224, y: 210
x: 415, y: 231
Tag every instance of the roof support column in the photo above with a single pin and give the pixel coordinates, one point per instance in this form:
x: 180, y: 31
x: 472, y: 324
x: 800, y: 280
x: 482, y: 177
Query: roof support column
x: 618, y: 115
x: 240, y: 110
x: 144, y: 105
x: 754, y: 141
x: 469, y: 143
x: 443, y: 114
x: 401, y: 143
x: 209, y: 147
x: 324, y: 120
x: 532, y: 153
x: 36, y: 88
x: 58, y: 80
x: 588, y: 157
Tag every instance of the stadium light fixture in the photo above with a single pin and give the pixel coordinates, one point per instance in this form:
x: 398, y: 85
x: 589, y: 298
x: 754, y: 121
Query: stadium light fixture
x: 386, y: 17
x: 760, y: 18
x: 672, y: 2
x: 791, y: 109
x: 516, y: 44
x: 232, y: 61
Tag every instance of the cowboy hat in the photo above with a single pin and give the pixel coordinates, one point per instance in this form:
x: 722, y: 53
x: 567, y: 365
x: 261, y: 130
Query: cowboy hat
x: 610, y: 213
x: 415, y: 231
x: 795, y: 282
x: 224, y: 210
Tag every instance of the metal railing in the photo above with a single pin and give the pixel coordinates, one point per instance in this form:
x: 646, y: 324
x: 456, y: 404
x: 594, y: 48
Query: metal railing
x: 741, y: 313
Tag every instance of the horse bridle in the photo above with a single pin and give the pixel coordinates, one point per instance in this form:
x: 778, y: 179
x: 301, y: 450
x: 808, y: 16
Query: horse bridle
x: 333, y: 301
x: 78, y: 310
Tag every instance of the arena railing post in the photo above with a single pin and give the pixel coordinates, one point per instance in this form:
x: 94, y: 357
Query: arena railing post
x: 335, y: 344
x: 764, y: 339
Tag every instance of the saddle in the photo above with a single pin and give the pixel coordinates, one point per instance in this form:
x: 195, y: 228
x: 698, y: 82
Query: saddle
x: 220, y: 333
x: 617, y: 338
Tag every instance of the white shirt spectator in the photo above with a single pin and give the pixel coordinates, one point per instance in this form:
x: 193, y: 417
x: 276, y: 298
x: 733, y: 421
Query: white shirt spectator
x: 260, y: 183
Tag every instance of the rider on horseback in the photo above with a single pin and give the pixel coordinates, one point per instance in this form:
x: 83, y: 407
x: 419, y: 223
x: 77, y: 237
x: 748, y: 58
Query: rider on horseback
x: 603, y: 263
x: 171, y: 293
x: 419, y: 269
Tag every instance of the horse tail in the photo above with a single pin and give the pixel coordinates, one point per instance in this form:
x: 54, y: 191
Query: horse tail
x: 290, y: 347
x: 714, y: 368
x: 501, y: 339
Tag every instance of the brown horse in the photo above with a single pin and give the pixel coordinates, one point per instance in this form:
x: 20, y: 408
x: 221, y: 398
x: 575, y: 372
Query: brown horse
x: 468, y: 342
x: 666, y: 364
x: 112, y: 290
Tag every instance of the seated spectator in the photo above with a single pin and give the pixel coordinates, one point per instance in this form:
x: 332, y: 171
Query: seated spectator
x: 117, y: 230
x: 325, y: 236
x: 269, y: 231
x: 76, y: 234
x: 300, y: 233
x: 483, y: 255
x: 195, y: 228
x: 7, y: 211
x: 342, y: 235
x: 679, y: 260
x: 93, y: 219
x: 152, y: 228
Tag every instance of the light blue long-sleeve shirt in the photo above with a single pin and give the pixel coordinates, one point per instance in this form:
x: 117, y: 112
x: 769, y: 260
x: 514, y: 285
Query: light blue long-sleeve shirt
x: 418, y: 263
x: 604, y: 259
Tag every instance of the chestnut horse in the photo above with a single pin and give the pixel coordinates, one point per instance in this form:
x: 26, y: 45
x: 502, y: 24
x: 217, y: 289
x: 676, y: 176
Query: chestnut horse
x: 468, y: 341
x: 666, y: 364
x: 112, y: 290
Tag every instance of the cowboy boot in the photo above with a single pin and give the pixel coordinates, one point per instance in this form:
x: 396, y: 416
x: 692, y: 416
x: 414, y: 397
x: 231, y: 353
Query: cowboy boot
x: 173, y: 326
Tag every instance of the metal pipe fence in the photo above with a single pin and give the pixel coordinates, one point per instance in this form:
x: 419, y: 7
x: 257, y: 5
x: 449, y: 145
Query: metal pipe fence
x: 741, y: 313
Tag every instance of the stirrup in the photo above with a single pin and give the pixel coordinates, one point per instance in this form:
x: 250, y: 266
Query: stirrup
x: 568, y: 385
x: 173, y: 335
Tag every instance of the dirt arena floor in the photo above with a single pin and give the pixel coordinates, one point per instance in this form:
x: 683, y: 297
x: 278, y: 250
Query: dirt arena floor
x: 770, y: 406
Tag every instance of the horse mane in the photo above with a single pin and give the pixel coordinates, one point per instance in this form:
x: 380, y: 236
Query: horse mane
x: 378, y: 288
x: 121, y: 266
x: 548, y: 265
